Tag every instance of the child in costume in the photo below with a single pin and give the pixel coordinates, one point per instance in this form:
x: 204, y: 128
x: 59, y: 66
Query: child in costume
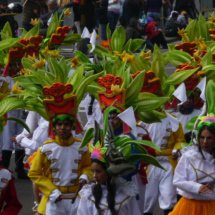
x: 111, y: 194
x: 194, y: 174
x: 59, y: 166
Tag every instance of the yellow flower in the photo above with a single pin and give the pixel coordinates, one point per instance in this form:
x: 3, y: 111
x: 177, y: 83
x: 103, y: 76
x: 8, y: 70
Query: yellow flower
x: 4, y: 91
x: 196, y: 57
x: 32, y: 57
x: 34, y: 22
x: 201, y: 43
x: 54, y: 53
x: 67, y: 13
x: 147, y: 55
x: 46, y: 50
x: 25, y: 72
x: 39, y: 63
x: 75, y: 62
x: 129, y: 58
x: 16, y: 89
x: 212, y: 19
x: 117, y: 54
x: 115, y: 89
x: 181, y: 32
x: 183, y: 35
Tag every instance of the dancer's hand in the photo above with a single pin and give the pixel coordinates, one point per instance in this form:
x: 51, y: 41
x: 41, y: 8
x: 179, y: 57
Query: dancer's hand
x: 205, y: 189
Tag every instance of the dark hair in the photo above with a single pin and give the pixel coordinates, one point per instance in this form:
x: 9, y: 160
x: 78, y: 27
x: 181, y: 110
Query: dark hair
x: 97, y: 192
x: 157, y: 19
x: 211, y: 129
x: 174, y: 15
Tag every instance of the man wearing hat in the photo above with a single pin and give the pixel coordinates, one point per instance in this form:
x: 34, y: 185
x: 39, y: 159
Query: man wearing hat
x: 6, y: 17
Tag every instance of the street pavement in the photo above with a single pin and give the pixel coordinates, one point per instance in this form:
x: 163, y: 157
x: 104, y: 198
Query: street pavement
x: 24, y: 187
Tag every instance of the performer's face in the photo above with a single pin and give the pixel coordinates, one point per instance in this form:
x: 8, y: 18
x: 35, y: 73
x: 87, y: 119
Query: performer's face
x: 115, y: 121
x: 63, y: 128
x: 207, y: 141
x: 99, y: 173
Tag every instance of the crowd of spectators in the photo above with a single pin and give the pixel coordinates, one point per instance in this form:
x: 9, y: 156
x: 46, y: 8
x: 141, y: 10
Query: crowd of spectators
x: 141, y: 18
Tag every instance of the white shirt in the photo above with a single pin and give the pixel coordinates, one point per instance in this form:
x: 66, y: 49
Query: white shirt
x: 192, y: 171
x: 125, y: 200
x: 184, y: 119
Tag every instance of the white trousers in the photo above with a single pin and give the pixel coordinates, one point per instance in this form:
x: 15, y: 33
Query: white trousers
x: 160, y: 186
x: 63, y: 207
x: 141, y: 188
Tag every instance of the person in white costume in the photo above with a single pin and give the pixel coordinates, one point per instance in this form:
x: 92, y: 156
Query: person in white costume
x: 106, y: 199
x: 111, y: 194
x: 12, y: 129
x: 60, y: 167
x: 185, y: 113
x: 39, y: 133
x: 93, y: 111
x: 195, y: 173
x: 160, y: 182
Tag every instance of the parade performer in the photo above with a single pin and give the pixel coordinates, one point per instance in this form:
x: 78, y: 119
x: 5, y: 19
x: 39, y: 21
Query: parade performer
x: 11, y: 70
x: 189, y: 94
x: 59, y: 166
x: 169, y: 140
x: 9, y: 203
x: 194, y: 174
x: 124, y: 123
x: 111, y: 194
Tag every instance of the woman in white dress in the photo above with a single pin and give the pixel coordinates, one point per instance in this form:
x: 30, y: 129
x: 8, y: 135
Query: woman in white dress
x: 106, y: 198
x: 111, y: 195
x: 195, y: 173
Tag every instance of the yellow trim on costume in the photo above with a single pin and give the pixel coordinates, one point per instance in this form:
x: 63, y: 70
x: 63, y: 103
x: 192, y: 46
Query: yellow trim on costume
x: 174, y: 142
x: 41, y: 174
x: 62, y: 142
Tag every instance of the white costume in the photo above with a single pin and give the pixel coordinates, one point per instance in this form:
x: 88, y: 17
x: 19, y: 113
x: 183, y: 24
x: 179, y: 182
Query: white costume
x: 96, y: 113
x: 185, y: 118
x: 160, y: 182
x: 56, y: 170
x: 12, y: 128
x: 192, y: 171
x: 125, y: 200
x: 39, y: 133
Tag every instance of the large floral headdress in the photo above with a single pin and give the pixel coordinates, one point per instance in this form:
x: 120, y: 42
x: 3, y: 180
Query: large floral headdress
x: 206, y: 120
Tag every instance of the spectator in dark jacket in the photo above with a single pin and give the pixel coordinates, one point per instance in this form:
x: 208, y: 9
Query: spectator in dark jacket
x: 103, y: 18
x: 31, y: 11
x: 76, y: 4
x: 133, y: 31
x: 172, y: 25
x: 8, y: 18
x: 55, y: 8
x: 131, y: 9
x: 153, y: 8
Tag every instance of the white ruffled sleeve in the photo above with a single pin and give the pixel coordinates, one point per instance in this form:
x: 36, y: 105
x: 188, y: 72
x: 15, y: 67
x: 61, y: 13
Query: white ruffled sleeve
x: 83, y: 208
x: 181, y: 176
